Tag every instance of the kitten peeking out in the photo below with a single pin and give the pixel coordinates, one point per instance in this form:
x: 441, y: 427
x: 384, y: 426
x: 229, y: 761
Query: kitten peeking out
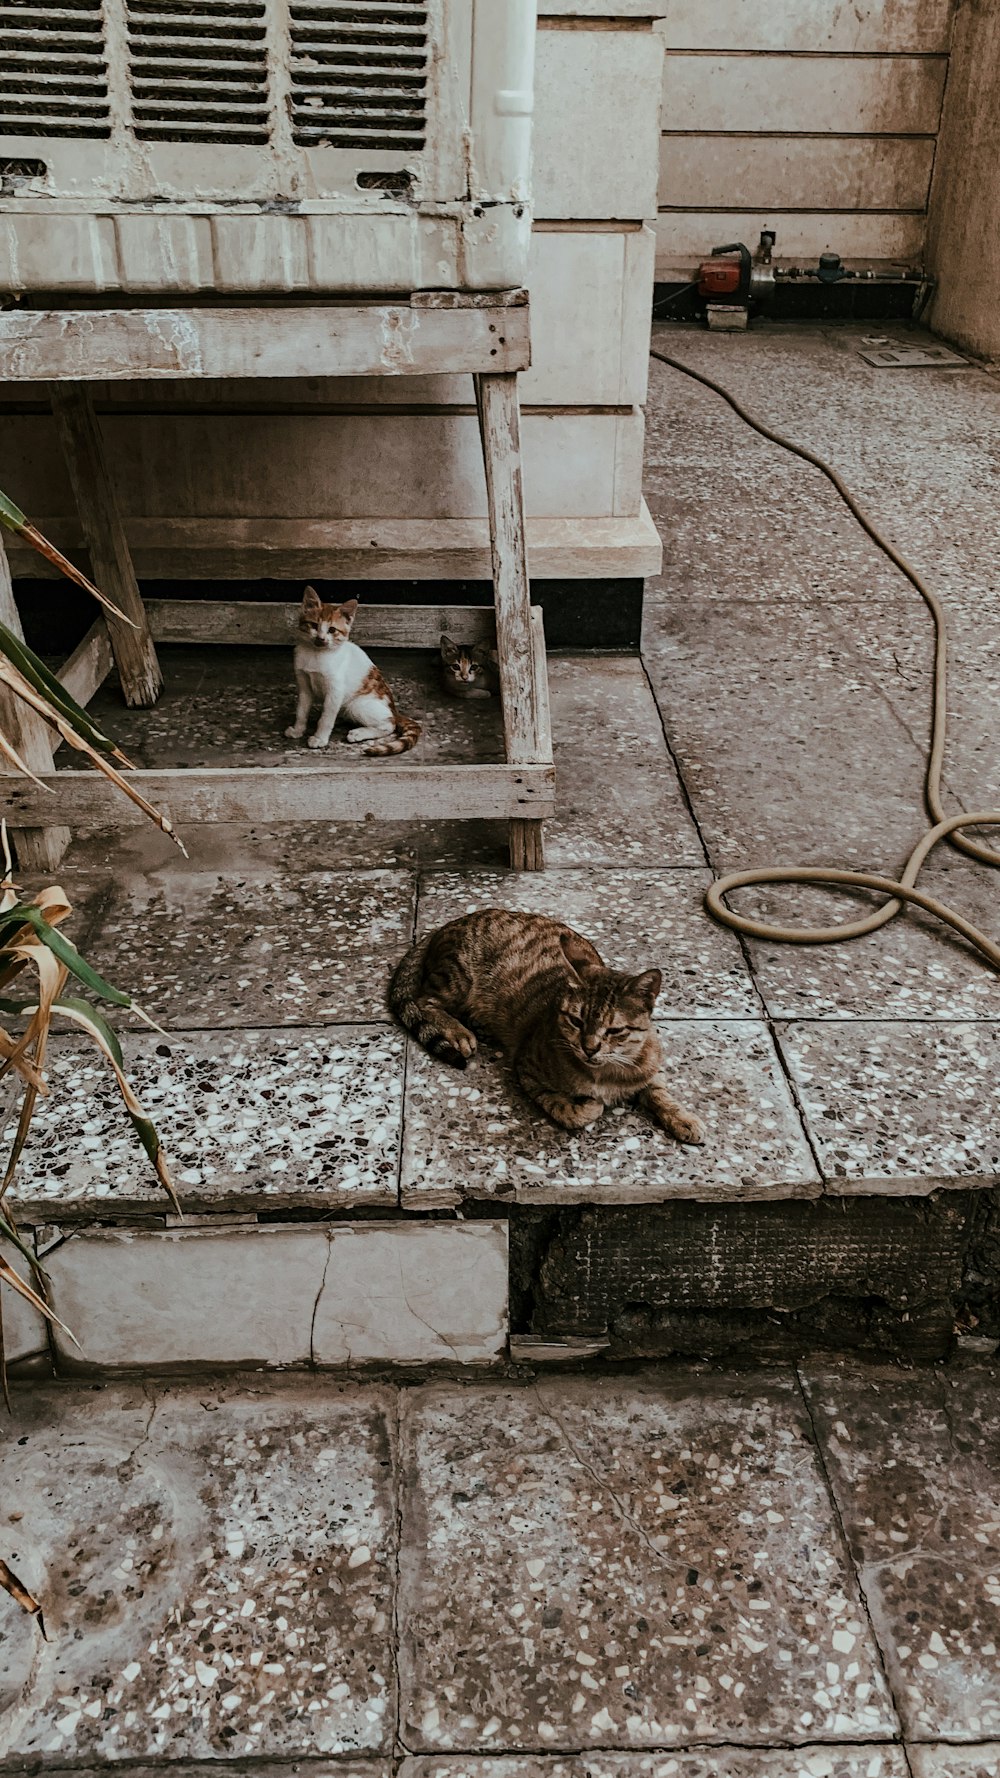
x: 469, y: 672
x: 580, y: 1037
x: 334, y: 672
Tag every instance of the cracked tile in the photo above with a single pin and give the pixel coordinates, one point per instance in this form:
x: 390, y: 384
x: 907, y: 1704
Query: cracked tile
x: 618, y: 1564
x: 246, y: 1117
x: 913, y: 1463
x: 472, y: 1134
x: 899, y: 1104
x: 217, y: 1569
x: 637, y: 919
x: 234, y: 948
x: 333, y: 1294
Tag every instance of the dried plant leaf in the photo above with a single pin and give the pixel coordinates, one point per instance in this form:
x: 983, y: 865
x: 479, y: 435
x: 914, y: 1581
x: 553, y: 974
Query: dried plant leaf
x: 15, y: 520
x: 16, y: 1282
x: 20, y: 1595
x: 48, y: 686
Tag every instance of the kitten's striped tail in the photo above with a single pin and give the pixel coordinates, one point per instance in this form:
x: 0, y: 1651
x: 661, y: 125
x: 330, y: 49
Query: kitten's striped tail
x: 407, y: 735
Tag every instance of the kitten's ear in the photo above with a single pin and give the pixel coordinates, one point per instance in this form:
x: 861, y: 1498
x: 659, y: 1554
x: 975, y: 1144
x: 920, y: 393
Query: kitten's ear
x: 646, y: 987
x: 578, y: 952
x: 349, y: 610
x: 449, y: 651
x: 311, y: 600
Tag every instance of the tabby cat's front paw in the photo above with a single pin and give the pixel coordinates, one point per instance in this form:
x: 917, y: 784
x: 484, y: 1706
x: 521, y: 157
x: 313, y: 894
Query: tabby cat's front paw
x: 572, y: 1114
x: 686, y: 1127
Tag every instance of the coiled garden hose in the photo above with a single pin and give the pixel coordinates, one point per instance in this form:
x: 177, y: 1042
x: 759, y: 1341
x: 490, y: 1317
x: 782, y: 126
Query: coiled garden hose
x: 951, y: 828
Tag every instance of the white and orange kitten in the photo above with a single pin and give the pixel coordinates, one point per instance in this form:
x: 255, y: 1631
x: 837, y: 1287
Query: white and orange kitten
x: 334, y: 672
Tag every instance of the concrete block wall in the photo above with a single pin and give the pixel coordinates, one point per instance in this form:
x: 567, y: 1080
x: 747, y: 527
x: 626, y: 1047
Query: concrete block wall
x: 819, y: 118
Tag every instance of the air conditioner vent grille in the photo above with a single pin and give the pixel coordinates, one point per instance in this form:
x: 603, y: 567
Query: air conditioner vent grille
x: 198, y: 70
x: 53, y: 73
x: 359, y: 74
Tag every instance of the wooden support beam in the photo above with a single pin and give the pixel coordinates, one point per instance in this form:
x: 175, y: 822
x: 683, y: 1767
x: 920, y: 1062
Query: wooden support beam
x: 500, y: 431
x: 307, y: 340
x: 86, y: 669
x: 266, y: 625
x: 97, y: 504
x: 367, y: 791
x: 37, y: 847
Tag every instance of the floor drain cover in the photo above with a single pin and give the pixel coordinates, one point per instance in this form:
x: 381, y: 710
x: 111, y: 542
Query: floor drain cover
x: 912, y: 358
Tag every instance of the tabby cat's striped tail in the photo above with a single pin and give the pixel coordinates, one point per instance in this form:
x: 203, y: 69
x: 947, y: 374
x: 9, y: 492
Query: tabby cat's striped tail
x: 431, y: 1025
x: 407, y: 735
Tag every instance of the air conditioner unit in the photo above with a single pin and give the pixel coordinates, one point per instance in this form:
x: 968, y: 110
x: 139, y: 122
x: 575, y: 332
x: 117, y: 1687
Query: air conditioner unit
x: 264, y: 146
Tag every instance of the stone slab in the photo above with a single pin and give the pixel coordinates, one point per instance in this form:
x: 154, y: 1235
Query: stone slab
x: 236, y: 702
x: 472, y: 1134
x: 248, y: 1118
x: 24, y: 1329
x: 902, y: 1107
x: 237, y: 948
x: 914, y: 968
x: 621, y: 1564
x: 913, y: 1463
x: 638, y: 919
x: 619, y: 799
x: 350, y: 1768
x: 955, y: 1762
x: 352, y: 1293
x: 788, y: 750
x: 216, y: 1567
x: 707, y: 1762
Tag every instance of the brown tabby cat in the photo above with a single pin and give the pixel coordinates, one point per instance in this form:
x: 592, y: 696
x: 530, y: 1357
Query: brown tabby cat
x: 469, y: 672
x: 580, y: 1037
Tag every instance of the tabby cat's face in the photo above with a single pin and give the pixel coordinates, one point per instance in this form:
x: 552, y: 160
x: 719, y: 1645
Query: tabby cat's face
x: 467, y: 666
x: 325, y: 626
x: 606, y: 1017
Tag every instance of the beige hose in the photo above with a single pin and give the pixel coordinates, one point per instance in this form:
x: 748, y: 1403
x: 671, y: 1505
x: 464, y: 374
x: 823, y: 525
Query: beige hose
x: 944, y: 827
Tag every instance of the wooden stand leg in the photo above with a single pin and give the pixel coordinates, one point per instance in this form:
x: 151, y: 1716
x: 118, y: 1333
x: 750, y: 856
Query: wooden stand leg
x: 97, y: 503
x: 500, y: 431
x: 36, y: 848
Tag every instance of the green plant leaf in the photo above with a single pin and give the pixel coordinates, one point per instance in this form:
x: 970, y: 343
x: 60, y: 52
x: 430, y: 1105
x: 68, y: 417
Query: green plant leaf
x: 45, y: 682
x: 11, y: 515
x: 26, y: 915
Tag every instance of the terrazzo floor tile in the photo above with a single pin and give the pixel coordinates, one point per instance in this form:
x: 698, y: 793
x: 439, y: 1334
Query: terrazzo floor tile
x: 237, y: 703
x: 619, y: 799
x: 913, y: 968
x: 894, y: 1105
x: 217, y: 949
x: 614, y: 1564
x: 275, y: 1118
x: 216, y: 1566
x: 636, y: 918
x: 472, y: 1134
x: 350, y: 1768
x: 727, y: 1762
x: 913, y: 1461
x: 788, y: 750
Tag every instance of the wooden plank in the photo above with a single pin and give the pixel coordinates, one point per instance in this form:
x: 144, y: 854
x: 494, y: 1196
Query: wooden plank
x: 387, y: 339
x: 273, y: 626
x: 111, y: 563
x: 369, y: 549
x: 850, y: 95
x: 541, y: 672
x: 869, y: 26
x: 686, y: 236
x: 89, y: 664
x: 366, y: 792
x: 36, y: 846
x: 796, y: 172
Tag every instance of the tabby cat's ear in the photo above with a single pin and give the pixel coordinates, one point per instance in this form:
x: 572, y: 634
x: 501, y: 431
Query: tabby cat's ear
x: 311, y: 600
x: 449, y: 651
x: 578, y: 952
x: 349, y: 610
x: 646, y: 987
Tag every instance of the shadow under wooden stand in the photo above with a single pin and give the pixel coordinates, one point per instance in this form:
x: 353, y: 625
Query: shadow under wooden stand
x: 434, y: 333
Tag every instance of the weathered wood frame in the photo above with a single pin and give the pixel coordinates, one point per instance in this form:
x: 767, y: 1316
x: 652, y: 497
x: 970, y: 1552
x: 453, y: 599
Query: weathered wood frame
x: 435, y: 332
